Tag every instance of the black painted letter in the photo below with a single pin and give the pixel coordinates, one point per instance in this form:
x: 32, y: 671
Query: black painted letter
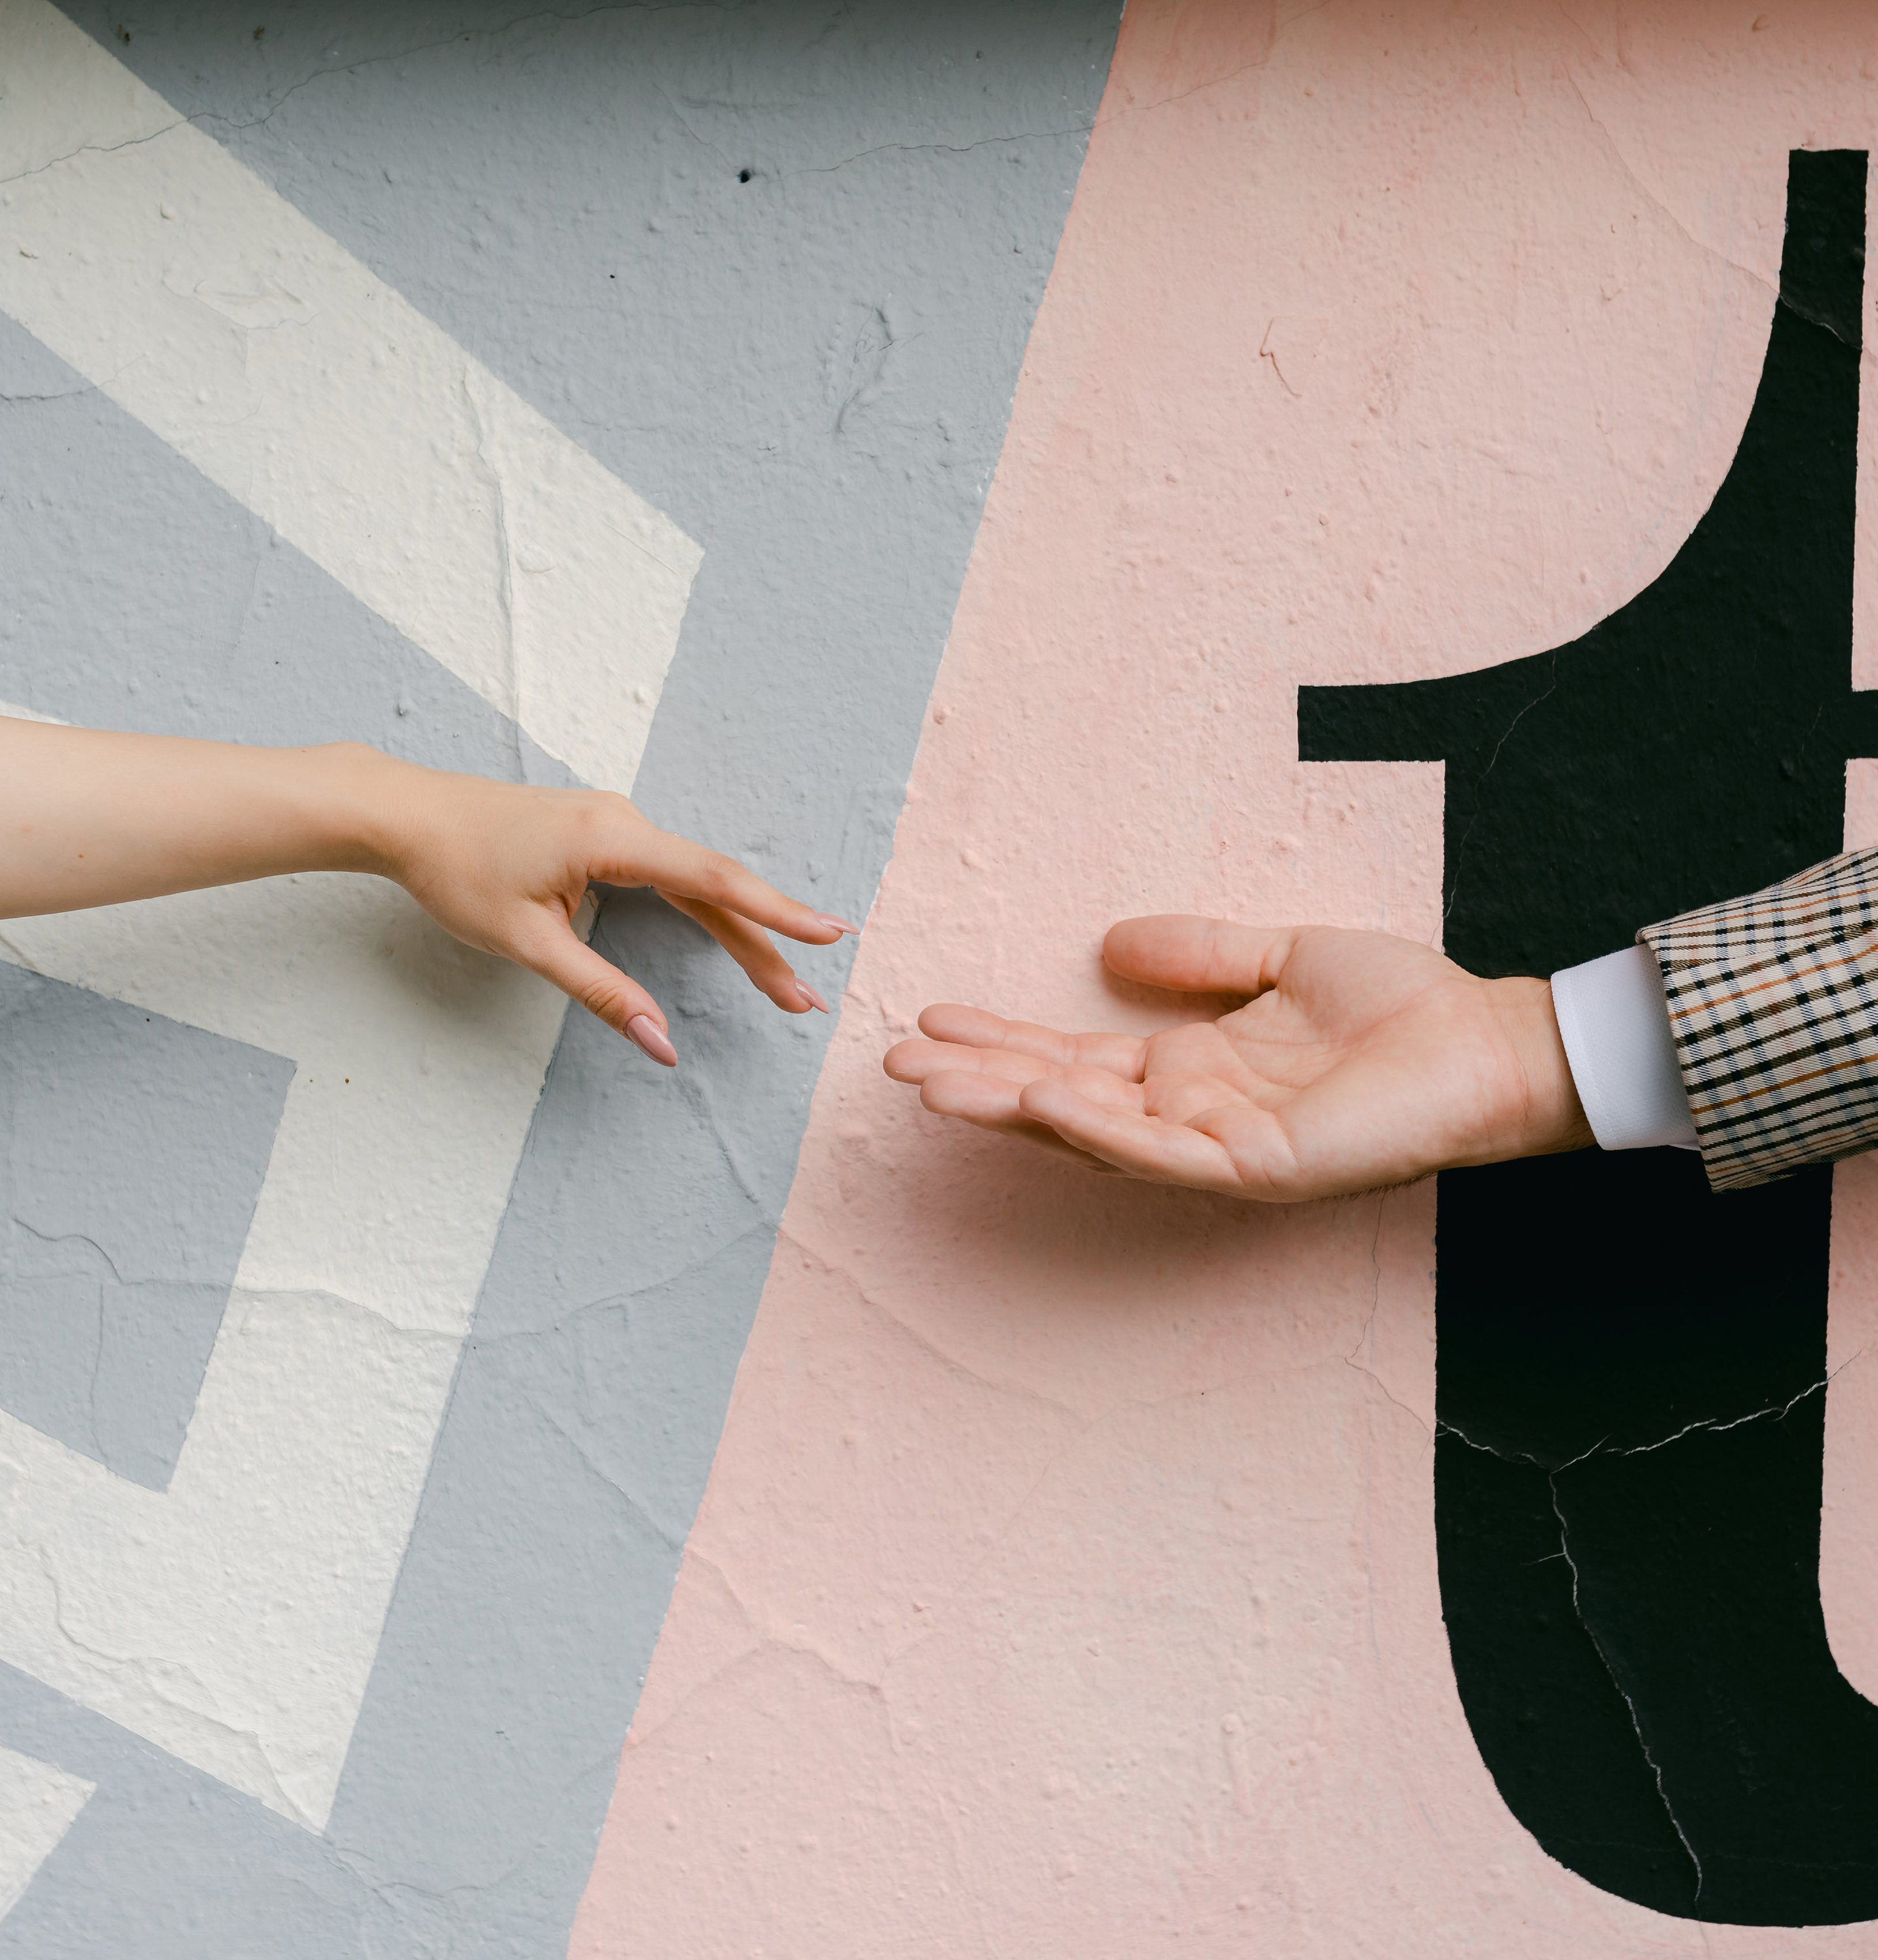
x: 1630, y: 1374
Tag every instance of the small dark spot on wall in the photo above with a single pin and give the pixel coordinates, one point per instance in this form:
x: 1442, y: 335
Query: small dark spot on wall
x: 123, y: 34
x: 743, y: 177
x: 259, y: 32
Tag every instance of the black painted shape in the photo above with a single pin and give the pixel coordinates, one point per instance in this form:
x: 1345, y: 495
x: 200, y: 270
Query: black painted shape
x: 1634, y: 1620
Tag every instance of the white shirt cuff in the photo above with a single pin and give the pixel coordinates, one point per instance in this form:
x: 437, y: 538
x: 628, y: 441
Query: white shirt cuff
x: 1614, y: 1023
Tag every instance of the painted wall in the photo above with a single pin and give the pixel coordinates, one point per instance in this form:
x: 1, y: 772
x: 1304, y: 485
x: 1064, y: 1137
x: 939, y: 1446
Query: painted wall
x: 337, y: 1588
x: 629, y: 394
x: 1068, y: 1579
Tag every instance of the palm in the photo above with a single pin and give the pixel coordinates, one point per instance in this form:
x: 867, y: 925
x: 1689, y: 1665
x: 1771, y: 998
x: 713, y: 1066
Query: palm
x: 1361, y: 1060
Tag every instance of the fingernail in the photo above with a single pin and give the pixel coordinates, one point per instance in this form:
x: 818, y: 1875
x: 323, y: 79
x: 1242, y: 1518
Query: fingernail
x: 835, y: 924
x: 810, y: 998
x: 645, y: 1033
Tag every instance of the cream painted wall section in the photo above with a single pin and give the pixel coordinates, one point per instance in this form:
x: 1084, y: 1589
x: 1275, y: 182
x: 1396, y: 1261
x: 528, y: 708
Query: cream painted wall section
x: 137, y: 250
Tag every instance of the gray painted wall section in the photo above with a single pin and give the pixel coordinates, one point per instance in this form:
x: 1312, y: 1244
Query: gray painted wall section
x: 810, y: 372
x: 132, y: 1149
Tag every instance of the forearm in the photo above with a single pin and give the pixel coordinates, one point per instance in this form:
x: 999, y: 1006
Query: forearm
x: 89, y: 818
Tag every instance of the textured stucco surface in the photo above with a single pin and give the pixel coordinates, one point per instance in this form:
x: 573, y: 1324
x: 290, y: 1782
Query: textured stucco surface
x: 114, y: 1281
x: 1066, y: 1582
x: 807, y: 370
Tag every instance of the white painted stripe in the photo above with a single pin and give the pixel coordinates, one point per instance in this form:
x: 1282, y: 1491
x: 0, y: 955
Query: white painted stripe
x: 146, y: 257
x: 38, y: 1804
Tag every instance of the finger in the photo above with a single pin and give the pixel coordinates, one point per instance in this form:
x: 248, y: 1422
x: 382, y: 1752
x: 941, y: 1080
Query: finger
x: 989, y: 1104
x: 1162, y: 1152
x: 600, y: 988
x: 754, y: 951
x: 972, y: 1027
x: 1198, y: 955
x: 919, y: 1061
x: 915, y: 1060
x: 661, y: 858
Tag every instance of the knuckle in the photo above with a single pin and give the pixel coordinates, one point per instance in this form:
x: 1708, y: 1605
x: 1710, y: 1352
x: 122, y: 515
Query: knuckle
x: 719, y: 874
x: 615, y: 813
x: 603, y: 999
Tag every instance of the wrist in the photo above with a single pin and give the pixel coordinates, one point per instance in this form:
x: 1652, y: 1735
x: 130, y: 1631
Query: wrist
x: 1550, y: 1117
x: 360, y: 802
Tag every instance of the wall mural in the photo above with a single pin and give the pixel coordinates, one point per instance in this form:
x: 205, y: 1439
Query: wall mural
x: 1632, y: 1370
x: 464, y: 1493
x: 551, y: 397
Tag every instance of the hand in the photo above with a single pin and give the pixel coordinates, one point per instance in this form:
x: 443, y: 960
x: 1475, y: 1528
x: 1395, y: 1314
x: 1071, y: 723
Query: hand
x: 1360, y: 1060
x: 504, y: 868
x: 89, y: 817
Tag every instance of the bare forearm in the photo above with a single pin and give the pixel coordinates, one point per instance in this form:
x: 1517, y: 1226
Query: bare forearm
x: 89, y: 818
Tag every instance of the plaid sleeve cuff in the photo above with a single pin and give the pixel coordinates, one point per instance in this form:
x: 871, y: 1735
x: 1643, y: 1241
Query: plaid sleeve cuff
x: 1773, y: 1001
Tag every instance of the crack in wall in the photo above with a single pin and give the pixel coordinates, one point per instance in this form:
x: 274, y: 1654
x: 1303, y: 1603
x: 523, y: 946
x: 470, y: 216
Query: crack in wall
x: 951, y: 1363
x: 540, y: 15
x: 1786, y: 299
x: 1710, y: 1425
x: 599, y: 1305
x: 1715, y: 1426
x: 1460, y: 849
x: 152, y: 1672
x: 1653, y: 199
x: 77, y: 1238
x: 1200, y: 87
x: 1389, y: 1395
x: 1636, y: 1724
x: 673, y: 1538
x: 94, y: 149
x: 59, y: 395
x: 1363, y: 1339
x: 941, y: 149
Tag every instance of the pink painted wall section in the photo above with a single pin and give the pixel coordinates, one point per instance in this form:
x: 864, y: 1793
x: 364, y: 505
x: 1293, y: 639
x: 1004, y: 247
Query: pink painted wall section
x: 1066, y: 1584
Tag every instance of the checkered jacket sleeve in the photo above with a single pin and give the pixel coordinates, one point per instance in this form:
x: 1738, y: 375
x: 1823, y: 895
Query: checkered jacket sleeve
x: 1774, y: 1004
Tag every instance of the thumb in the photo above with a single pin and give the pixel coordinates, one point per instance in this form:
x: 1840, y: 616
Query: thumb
x: 557, y: 954
x: 1197, y: 956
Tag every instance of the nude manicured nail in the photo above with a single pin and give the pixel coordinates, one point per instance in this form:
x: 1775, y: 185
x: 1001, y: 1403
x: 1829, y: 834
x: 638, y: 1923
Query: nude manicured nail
x: 835, y: 924
x: 810, y: 998
x: 645, y: 1033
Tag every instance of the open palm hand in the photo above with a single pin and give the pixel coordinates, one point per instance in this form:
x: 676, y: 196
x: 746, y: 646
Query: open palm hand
x: 1360, y: 1060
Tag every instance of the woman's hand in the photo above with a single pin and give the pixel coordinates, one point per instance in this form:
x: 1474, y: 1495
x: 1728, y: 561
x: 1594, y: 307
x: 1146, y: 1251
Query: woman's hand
x: 505, y: 868
x: 92, y: 818
x: 1360, y: 1060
